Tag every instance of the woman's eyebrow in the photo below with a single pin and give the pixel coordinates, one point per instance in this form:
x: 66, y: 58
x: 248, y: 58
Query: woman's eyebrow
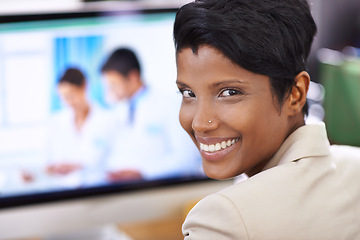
x: 217, y: 84
x: 179, y: 83
x: 226, y: 82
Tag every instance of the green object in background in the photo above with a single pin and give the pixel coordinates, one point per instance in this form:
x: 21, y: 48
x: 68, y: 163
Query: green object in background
x: 342, y: 101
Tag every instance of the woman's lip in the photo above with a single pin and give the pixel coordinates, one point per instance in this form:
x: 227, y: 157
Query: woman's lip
x: 217, y: 155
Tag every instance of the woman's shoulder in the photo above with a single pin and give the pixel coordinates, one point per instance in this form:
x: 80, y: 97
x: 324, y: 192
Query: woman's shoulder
x: 346, y: 152
x: 214, y: 217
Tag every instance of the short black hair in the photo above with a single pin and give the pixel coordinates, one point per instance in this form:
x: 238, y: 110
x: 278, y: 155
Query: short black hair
x: 122, y: 60
x: 268, y: 37
x: 73, y: 76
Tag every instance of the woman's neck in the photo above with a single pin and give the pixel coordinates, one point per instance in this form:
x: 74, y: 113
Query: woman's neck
x: 81, y: 115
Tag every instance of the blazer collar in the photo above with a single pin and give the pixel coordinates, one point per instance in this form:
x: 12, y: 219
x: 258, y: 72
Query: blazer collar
x: 306, y: 141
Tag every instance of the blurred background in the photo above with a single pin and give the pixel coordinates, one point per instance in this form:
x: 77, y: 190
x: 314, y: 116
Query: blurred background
x: 334, y: 63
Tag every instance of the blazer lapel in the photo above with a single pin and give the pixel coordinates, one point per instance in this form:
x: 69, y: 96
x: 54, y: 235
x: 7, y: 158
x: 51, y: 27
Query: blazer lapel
x: 306, y: 141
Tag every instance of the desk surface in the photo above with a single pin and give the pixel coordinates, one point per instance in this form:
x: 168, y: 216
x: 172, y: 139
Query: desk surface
x: 165, y: 229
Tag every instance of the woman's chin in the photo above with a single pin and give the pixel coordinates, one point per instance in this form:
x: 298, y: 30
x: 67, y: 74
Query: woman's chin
x: 218, y: 175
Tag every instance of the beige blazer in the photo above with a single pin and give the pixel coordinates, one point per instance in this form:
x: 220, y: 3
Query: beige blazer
x: 308, y: 191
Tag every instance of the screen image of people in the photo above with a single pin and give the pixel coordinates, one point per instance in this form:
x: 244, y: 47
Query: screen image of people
x: 107, y: 113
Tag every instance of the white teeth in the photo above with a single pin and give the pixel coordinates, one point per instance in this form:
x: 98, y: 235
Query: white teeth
x: 206, y: 147
x: 217, y: 146
x: 212, y: 148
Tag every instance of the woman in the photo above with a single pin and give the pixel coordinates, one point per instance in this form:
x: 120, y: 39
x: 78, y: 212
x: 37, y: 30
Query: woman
x: 241, y: 71
x: 79, y: 134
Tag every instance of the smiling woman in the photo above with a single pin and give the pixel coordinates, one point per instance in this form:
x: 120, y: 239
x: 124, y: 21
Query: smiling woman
x: 241, y: 72
x: 243, y: 110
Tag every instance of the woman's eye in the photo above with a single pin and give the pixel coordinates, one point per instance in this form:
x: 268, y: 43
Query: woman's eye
x: 229, y: 92
x: 187, y: 93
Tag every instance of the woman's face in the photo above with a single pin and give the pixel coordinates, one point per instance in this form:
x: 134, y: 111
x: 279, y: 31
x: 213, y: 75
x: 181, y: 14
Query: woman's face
x: 73, y: 95
x: 230, y: 113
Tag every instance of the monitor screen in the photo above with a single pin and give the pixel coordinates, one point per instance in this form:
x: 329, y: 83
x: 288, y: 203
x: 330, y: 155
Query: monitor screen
x: 61, y: 138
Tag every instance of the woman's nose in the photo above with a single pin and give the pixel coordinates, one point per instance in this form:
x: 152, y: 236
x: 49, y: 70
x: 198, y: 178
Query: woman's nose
x: 204, y: 119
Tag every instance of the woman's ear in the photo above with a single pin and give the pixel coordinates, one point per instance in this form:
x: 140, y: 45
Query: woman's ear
x: 297, y: 98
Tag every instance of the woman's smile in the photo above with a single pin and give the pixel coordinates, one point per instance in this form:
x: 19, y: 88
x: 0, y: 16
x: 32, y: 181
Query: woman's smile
x: 213, y: 149
x: 218, y: 146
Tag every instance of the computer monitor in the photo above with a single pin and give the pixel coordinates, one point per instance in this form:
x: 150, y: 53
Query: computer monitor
x: 35, y: 51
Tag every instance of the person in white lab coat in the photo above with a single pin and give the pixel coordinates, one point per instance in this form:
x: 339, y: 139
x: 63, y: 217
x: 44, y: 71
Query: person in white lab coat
x: 149, y: 142
x: 78, y: 135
